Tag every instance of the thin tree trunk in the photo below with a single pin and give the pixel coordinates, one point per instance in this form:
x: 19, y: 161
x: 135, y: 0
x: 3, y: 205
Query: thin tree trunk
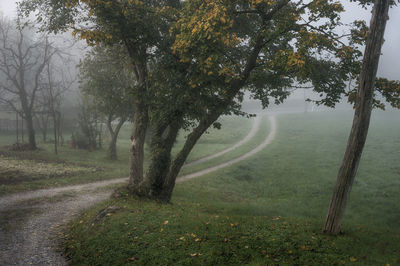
x: 100, y: 135
x: 359, y: 130
x: 31, y: 131
x: 55, y: 133
x: 17, y: 126
x: 112, y: 148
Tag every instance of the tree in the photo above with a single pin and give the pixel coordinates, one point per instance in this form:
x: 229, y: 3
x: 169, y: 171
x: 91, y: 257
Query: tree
x: 106, y: 76
x: 363, y: 107
x: 54, y: 83
x: 23, y: 58
x: 193, y: 60
x: 89, y: 129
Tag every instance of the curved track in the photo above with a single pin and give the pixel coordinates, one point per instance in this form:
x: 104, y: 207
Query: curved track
x: 34, y: 240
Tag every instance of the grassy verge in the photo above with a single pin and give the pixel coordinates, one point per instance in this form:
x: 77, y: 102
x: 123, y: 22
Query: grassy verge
x: 185, y: 233
x: 267, y: 210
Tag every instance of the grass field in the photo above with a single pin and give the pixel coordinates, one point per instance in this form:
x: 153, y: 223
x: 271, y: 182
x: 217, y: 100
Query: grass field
x: 267, y: 210
x: 82, y: 166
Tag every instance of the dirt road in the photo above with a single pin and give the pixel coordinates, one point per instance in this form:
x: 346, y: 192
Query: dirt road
x: 30, y: 238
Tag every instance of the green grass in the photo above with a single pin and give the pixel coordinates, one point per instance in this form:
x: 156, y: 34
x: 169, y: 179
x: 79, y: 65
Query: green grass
x: 258, y: 138
x: 214, y: 140
x: 267, y: 210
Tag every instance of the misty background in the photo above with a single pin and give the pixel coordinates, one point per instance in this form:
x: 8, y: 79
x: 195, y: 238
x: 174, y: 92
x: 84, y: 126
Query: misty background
x: 389, y: 66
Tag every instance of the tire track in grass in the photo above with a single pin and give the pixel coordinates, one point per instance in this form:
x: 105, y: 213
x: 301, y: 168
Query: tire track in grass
x: 255, y: 127
x: 35, y: 242
x: 14, y: 198
x: 264, y: 144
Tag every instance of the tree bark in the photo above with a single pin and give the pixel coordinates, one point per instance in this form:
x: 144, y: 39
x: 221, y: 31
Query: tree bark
x: 31, y: 131
x: 177, y: 164
x: 140, y: 119
x: 205, y: 123
x: 160, y: 157
x: 359, y: 130
x: 112, y: 148
x: 55, y: 133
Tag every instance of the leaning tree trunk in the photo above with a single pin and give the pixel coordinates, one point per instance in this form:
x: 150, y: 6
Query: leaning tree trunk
x: 177, y: 164
x: 359, y: 130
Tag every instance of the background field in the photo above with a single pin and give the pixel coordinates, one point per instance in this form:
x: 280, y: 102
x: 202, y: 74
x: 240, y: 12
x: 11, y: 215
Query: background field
x: 268, y: 209
x: 85, y: 166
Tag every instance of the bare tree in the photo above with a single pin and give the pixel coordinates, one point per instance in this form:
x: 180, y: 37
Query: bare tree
x: 54, y: 83
x: 23, y: 57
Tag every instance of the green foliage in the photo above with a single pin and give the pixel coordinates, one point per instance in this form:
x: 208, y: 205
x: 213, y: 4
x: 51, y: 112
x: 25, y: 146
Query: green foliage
x: 88, y: 131
x: 106, y: 76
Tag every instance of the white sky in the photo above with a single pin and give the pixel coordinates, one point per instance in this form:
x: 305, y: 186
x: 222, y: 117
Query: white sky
x: 389, y: 66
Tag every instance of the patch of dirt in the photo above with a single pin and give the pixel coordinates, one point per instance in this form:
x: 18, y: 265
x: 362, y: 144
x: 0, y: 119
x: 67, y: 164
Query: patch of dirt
x: 16, y: 170
x: 13, y: 177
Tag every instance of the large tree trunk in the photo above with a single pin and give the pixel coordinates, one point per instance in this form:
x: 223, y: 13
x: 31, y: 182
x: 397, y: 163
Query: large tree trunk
x: 359, y: 130
x: 161, y: 146
x: 140, y: 120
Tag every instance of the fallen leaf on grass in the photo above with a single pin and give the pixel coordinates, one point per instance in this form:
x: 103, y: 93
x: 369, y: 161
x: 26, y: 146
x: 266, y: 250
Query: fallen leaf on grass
x: 352, y: 259
x: 131, y: 259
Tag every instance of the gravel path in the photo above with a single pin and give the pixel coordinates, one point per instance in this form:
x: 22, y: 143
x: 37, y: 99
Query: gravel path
x: 32, y: 239
x: 33, y: 243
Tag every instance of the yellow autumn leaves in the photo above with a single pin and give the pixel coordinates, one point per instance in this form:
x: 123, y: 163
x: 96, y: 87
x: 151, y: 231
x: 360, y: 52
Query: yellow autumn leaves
x: 255, y: 3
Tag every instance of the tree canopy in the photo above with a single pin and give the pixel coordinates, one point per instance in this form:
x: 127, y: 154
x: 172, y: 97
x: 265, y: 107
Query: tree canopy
x: 194, y: 59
